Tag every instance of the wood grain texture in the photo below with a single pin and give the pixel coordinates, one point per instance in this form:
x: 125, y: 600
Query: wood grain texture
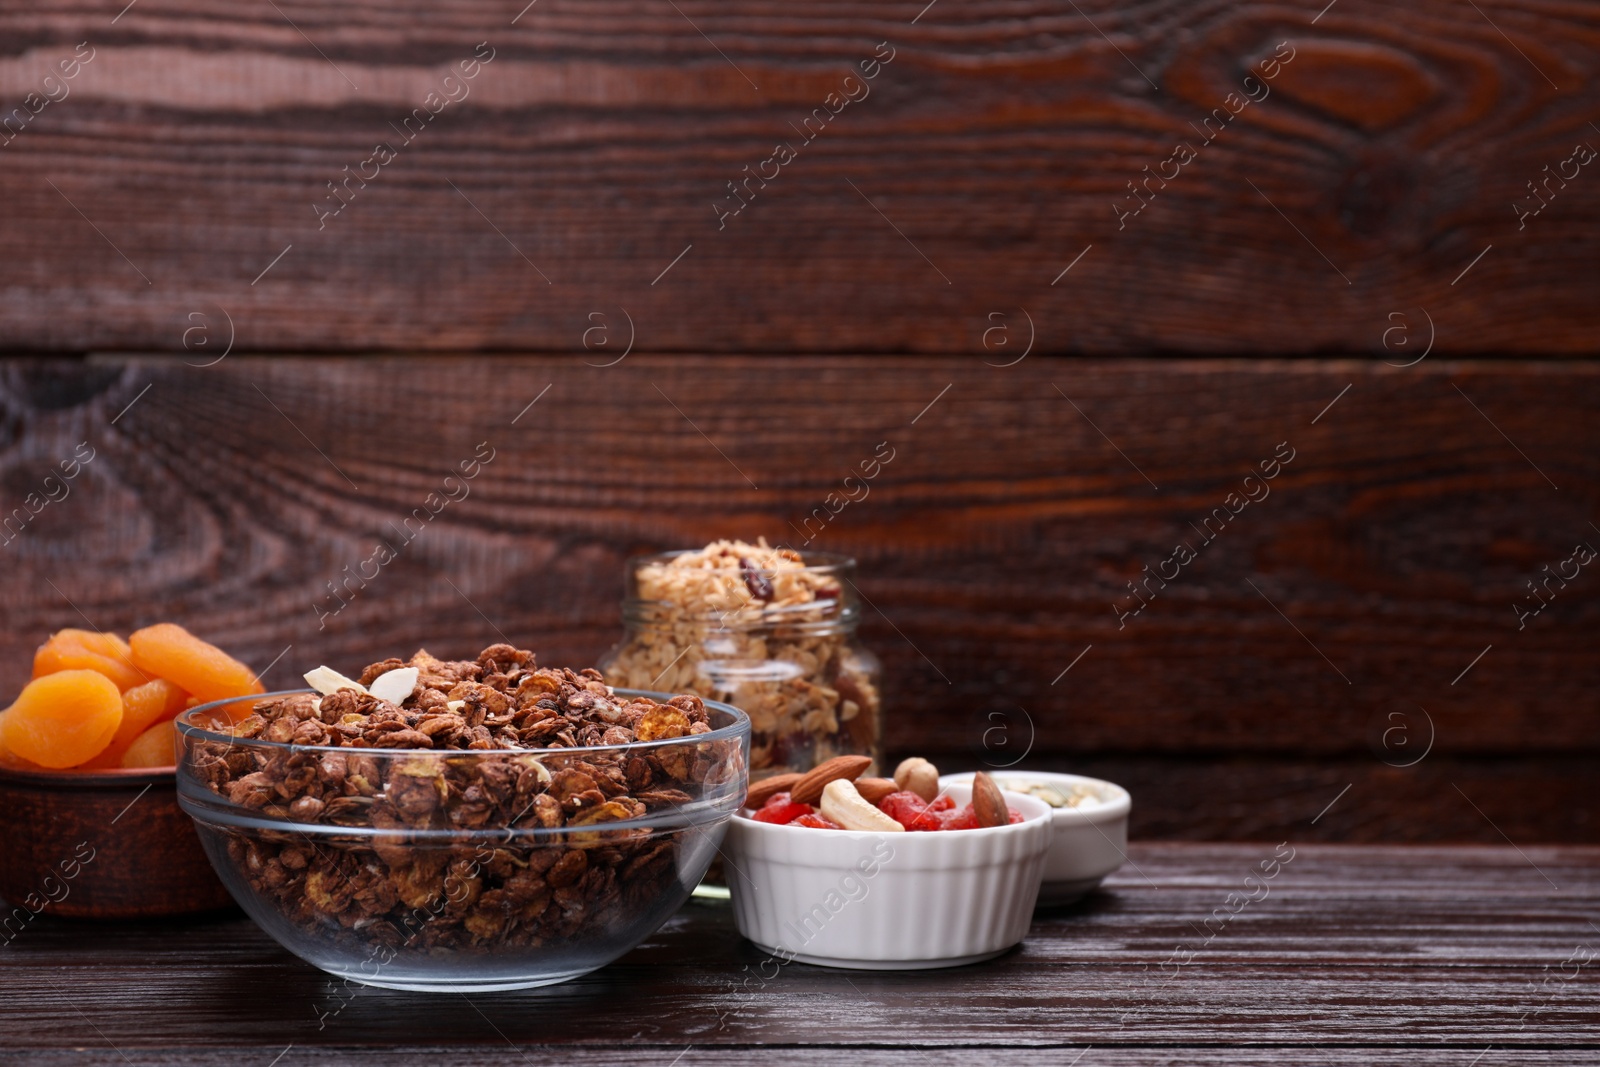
x: 990, y: 153
x: 1490, y: 800
x: 807, y: 1056
x: 810, y: 1055
x: 1321, y: 636
x: 102, y: 846
x: 1353, y: 955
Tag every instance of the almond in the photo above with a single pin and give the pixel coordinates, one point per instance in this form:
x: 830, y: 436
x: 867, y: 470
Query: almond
x: 987, y: 803
x: 875, y: 789
x: 808, y: 790
x: 767, y: 788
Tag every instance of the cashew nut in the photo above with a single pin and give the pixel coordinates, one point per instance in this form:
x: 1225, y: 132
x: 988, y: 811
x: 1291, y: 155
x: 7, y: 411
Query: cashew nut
x: 847, y: 807
x: 919, y: 776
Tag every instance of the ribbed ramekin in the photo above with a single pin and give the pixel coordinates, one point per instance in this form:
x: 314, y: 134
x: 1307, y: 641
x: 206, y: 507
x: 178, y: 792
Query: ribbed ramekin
x: 1086, y: 845
x: 888, y: 901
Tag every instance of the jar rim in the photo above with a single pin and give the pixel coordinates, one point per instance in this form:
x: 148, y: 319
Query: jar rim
x: 816, y: 562
x: 845, y: 617
x: 843, y: 613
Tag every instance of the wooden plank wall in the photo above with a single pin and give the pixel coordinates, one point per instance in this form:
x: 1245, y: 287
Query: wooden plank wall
x: 1393, y: 546
x: 998, y: 144
x: 1103, y: 365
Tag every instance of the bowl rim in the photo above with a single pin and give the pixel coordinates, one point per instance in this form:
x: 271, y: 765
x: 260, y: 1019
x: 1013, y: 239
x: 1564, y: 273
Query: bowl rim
x: 1118, y: 807
x: 189, y: 730
x: 976, y: 833
x: 71, y: 777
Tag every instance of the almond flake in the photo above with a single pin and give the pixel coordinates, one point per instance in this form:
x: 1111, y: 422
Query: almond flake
x: 394, y: 686
x: 328, y: 681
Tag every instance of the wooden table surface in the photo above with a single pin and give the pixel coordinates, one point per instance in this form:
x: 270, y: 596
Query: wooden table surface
x: 1356, y: 954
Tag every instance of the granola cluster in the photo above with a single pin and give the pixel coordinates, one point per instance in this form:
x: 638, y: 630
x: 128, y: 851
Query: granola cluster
x: 453, y: 756
x: 757, y: 627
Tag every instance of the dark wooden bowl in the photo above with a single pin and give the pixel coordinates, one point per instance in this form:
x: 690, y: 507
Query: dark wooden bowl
x: 100, y: 845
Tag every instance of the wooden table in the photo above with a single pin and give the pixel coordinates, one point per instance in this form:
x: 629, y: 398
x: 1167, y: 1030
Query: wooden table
x: 1436, y: 955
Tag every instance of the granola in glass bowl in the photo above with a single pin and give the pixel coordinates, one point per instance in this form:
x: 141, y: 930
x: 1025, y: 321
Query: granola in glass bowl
x: 463, y: 825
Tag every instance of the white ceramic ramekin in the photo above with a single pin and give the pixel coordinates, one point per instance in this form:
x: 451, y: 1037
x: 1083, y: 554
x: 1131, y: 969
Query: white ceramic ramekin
x: 888, y: 901
x: 1087, y: 844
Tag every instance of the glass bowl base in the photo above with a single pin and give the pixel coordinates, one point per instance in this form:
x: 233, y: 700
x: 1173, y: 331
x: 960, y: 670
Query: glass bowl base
x: 463, y: 985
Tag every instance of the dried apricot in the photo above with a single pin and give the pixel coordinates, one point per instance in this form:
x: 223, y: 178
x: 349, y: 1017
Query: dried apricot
x: 63, y: 719
x: 168, y: 651
x: 11, y: 759
x: 142, y: 707
x: 156, y: 747
x: 86, y: 650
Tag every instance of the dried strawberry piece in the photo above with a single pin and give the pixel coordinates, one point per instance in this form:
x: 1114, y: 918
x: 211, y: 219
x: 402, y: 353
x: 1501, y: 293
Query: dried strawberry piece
x: 783, y: 813
x: 910, y: 811
x: 938, y: 813
x: 816, y: 822
x: 777, y: 800
x: 1016, y: 816
x: 902, y: 806
x: 965, y: 819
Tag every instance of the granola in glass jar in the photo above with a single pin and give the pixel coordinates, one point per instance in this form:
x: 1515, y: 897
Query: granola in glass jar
x: 765, y: 629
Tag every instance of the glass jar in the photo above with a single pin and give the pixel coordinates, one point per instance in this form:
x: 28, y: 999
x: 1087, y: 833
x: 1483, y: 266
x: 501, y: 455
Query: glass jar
x: 765, y: 630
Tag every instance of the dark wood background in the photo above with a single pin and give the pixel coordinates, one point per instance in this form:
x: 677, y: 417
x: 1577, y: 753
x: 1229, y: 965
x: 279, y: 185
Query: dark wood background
x: 997, y: 141
x: 993, y: 546
x: 1338, y: 222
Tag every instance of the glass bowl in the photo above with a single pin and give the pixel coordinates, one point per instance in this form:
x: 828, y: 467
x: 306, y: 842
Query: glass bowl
x: 433, y: 870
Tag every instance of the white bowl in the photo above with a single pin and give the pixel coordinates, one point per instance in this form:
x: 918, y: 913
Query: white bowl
x: 888, y: 901
x: 1087, y: 844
